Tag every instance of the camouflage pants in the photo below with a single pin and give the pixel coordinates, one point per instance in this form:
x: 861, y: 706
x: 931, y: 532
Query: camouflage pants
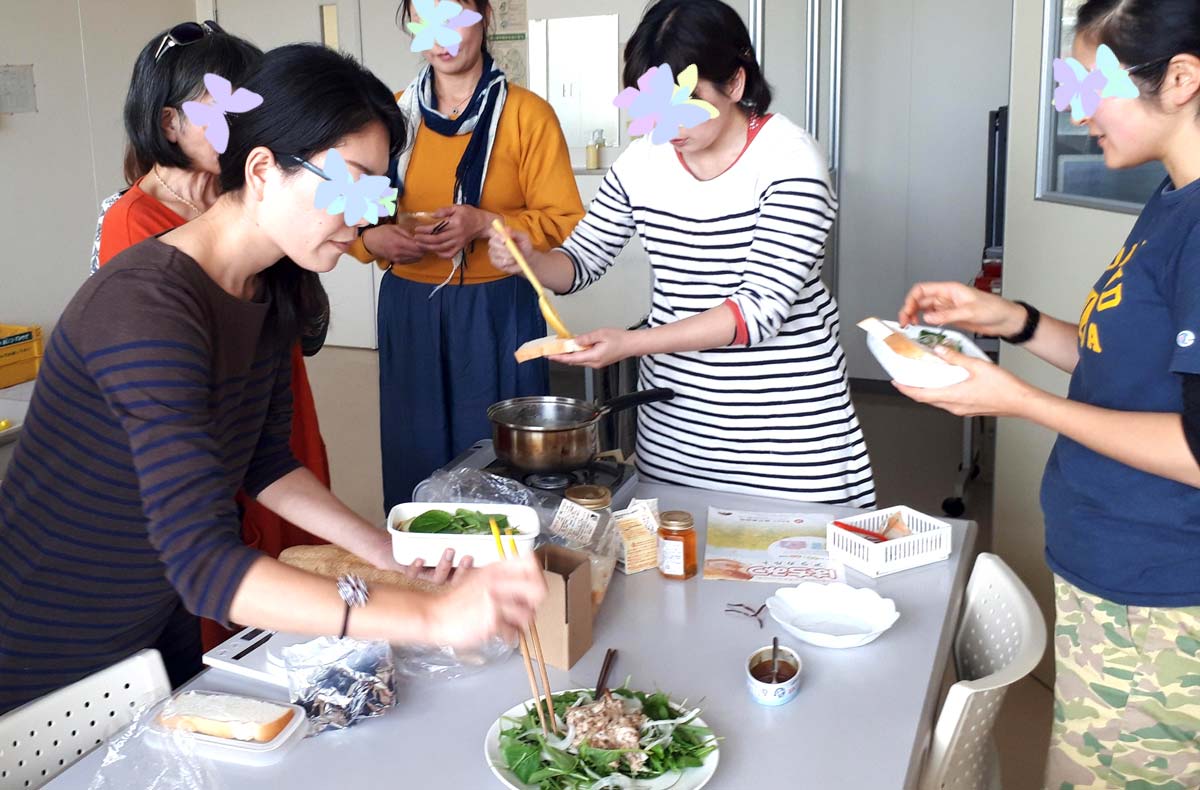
x: 1126, y: 696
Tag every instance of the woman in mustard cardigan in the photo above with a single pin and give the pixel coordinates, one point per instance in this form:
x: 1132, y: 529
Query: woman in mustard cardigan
x: 449, y: 321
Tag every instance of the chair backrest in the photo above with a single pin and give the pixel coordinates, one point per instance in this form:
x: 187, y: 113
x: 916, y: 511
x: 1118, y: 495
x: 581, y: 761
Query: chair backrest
x: 1000, y: 640
x: 41, y: 738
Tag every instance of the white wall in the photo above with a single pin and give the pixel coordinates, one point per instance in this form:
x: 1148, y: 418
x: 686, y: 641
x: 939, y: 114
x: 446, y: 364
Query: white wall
x: 59, y: 162
x: 920, y: 79
x: 1053, y: 255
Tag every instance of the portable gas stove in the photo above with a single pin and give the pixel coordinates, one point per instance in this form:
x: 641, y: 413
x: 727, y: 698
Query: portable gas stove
x: 619, y: 477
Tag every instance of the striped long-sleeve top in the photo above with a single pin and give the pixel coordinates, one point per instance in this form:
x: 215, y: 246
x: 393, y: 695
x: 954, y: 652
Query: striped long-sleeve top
x: 159, y: 395
x: 770, y: 414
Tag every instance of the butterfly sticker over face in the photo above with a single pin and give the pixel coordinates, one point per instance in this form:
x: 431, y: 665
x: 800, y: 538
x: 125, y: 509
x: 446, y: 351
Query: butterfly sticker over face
x: 1082, y: 91
x: 659, y: 107
x: 440, y: 22
x: 212, y: 116
x: 367, y: 197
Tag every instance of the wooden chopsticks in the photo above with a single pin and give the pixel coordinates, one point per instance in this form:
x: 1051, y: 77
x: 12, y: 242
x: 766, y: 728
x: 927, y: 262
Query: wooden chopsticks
x: 525, y: 652
x: 610, y: 657
x: 548, y: 311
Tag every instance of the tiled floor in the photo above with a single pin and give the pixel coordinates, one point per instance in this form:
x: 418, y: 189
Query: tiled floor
x: 915, y: 452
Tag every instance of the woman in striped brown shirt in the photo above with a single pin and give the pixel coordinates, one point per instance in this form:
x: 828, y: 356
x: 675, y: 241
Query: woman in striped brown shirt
x: 165, y: 389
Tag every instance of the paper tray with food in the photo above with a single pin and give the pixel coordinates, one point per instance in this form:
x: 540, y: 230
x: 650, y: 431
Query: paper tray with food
x: 424, y: 530
x: 229, y: 727
x: 906, y: 353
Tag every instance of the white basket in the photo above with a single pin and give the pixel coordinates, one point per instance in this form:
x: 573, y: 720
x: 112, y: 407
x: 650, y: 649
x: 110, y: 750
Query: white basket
x: 930, y: 542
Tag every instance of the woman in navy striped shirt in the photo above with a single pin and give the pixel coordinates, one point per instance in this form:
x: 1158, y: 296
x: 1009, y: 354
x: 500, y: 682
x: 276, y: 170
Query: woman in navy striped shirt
x: 165, y: 389
x: 733, y: 216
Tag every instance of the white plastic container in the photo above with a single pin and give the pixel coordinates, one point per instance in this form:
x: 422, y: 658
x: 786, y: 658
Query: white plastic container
x: 929, y: 373
x: 930, y: 542
x: 410, y: 546
x: 228, y: 750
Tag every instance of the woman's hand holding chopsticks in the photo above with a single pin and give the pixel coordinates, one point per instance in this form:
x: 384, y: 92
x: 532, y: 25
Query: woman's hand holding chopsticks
x: 496, y: 600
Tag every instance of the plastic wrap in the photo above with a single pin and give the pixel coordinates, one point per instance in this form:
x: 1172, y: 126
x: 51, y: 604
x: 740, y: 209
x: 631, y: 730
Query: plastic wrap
x: 148, y: 756
x: 593, y: 532
x: 339, y: 681
x: 449, y: 663
x: 473, y: 486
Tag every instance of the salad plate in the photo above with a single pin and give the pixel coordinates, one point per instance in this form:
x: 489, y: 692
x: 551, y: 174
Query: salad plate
x: 683, y: 750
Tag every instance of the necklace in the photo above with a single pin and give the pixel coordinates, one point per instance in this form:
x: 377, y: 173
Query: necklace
x: 175, y: 194
x: 458, y: 105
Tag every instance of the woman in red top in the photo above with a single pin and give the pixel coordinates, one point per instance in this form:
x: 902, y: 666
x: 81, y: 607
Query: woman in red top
x: 173, y: 174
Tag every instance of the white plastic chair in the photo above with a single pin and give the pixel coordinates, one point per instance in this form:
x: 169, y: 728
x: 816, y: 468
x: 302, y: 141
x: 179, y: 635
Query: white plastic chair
x: 1000, y: 640
x: 41, y: 738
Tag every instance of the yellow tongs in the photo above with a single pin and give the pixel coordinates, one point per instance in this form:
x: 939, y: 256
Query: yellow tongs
x: 548, y: 311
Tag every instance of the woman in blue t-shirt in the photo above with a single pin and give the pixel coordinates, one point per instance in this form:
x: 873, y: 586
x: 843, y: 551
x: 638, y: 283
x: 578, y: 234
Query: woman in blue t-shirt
x: 1121, y: 491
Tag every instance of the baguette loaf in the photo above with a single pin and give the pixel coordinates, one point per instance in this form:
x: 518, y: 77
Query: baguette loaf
x: 547, y: 346
x: 226, y: 716
x: 333, y: 561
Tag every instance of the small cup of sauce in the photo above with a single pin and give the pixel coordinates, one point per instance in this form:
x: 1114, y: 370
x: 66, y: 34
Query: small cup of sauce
x: 773, y: 687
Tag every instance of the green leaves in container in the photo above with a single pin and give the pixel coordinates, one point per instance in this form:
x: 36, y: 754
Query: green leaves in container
x: 431, y: 521
x: 461, y: 522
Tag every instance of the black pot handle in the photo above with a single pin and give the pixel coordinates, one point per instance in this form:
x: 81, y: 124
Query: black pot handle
x: 638, y: 398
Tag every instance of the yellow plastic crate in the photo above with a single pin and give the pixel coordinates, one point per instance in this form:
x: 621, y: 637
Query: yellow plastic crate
x: 20, y: 353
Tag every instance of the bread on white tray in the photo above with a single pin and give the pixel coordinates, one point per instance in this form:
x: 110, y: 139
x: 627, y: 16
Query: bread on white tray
x: 226, y: 716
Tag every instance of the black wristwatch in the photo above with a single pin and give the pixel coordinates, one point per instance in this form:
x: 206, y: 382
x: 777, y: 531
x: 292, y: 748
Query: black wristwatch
x: 1032, y: 319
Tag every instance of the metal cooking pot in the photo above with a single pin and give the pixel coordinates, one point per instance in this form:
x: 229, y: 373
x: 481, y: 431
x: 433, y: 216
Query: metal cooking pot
x: 549, y: 434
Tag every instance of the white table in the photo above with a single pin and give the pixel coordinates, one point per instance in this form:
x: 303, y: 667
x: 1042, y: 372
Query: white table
x: 862, y: 719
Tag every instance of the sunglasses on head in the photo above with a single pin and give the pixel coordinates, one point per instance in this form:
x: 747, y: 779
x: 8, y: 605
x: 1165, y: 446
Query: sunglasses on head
x: 186, y: 33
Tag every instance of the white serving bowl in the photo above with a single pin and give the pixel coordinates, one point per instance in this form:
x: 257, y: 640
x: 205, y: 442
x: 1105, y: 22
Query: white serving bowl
x: 929, y: 372
x: 410, y: 546
x: 832, y: 615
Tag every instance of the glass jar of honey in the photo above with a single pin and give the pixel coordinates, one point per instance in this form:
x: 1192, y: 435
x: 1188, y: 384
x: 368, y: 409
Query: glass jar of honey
x: 677, y: 545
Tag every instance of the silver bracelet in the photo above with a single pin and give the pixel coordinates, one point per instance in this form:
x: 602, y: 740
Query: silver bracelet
x: 354, y: 592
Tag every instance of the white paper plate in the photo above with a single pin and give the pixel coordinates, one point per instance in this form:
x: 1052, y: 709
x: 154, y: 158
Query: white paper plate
x: 690, y: 779
x: 925, y: 373
x: 832, y: 615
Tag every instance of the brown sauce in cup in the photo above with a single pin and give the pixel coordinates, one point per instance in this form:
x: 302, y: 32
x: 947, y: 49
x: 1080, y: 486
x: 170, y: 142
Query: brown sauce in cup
x: 762, y: 672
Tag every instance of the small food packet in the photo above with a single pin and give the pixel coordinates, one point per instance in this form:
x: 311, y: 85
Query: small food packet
x: 638, y: 527
x: 340, y: 681
x: 896, y: 528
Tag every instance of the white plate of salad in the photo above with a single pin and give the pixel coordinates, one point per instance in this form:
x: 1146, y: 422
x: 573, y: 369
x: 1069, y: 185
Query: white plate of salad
x: 627, y: 740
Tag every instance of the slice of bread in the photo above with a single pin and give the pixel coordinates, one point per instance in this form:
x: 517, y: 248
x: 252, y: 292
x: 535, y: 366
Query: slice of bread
x: 546, y: 347
x: 898, y: 342
x: 226, y: 716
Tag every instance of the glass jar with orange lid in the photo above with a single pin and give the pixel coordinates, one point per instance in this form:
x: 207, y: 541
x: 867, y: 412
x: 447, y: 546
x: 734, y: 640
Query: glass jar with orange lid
x: 677, y: 545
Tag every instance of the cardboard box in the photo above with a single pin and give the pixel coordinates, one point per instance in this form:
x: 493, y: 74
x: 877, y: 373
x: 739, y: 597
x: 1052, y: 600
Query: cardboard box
x: 20, y: 353
x: 564, y: 621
